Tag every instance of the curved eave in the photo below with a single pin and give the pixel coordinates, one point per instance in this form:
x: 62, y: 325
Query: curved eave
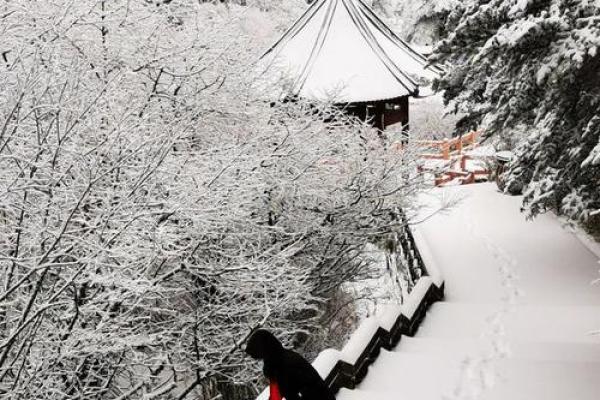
x: 355, y: 99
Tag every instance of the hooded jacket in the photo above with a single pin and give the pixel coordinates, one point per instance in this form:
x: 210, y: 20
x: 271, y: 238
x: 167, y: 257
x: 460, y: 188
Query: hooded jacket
x: 296, y: 377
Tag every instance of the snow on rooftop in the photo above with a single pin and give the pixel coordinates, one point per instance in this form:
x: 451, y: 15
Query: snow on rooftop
x: 339, y: 50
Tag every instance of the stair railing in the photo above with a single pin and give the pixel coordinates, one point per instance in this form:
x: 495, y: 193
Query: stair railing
x: 348, y: 367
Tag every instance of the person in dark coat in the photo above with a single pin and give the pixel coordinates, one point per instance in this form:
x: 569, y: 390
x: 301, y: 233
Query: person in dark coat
x: 288, y: 372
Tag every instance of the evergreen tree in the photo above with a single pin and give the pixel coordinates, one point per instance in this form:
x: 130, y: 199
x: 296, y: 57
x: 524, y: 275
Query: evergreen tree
x: 529, y: 71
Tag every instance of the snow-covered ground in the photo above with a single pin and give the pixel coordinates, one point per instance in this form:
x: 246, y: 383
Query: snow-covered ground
x: 520, y: 312
x: 472, y: 241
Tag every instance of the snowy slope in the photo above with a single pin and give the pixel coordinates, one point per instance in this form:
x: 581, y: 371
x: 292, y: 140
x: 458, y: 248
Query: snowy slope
x: 519, y: 314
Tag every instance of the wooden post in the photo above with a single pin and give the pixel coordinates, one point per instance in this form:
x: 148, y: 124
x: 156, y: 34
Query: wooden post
x: 406, y: 123
x: 404, y: 118
x: 446, y: 150
x: 463, y: 163
x: 472, y: 138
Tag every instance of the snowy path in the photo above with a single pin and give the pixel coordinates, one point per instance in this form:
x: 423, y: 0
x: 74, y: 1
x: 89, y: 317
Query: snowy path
x: 519, y: 312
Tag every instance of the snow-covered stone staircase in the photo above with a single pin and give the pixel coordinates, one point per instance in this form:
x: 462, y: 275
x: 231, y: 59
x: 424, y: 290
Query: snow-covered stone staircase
x: 519, y: 319
x: 519, y: 316
x: 453, y: 360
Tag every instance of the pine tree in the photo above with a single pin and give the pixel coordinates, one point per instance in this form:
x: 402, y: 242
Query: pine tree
x: 529, y: 71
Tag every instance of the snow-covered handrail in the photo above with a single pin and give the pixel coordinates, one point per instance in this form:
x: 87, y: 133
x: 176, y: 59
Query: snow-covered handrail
x: 445, y: 148
x: 409, y: 251
x: 448, y: 147
x: 384, y: 330
x: 348, y: 367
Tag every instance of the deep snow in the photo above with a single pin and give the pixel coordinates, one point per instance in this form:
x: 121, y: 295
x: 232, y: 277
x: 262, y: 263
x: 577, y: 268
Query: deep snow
x: 519, y: 314
x: 550, y: 262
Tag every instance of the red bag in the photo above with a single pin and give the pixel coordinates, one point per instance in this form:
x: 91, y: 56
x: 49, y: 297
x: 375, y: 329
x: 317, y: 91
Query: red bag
x: 274, y: 391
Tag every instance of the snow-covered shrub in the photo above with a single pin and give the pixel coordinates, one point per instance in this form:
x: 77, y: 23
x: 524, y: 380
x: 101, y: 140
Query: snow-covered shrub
x: 154, y: 208
x: 533, y: 67
x: 428, y: 120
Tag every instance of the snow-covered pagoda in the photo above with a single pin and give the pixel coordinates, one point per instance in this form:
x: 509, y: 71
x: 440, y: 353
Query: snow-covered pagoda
x: 340, y: 51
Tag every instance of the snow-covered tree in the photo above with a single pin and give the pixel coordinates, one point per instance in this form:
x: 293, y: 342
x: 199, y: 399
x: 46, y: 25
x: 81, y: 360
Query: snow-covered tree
x: 529, y: 71
x: 154, y: 208
x: 421, y: 22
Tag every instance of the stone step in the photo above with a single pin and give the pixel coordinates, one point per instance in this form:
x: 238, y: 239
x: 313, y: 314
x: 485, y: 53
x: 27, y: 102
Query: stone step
x: 528, y: 323
x: 357, y: 394
x: 427, y: 376
x: 538, y: 351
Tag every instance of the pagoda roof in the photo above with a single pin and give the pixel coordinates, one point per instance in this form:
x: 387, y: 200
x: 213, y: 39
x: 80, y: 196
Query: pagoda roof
x: 340, y: 50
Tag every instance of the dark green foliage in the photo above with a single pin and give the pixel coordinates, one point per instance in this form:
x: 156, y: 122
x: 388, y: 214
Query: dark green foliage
x: 529, y: 72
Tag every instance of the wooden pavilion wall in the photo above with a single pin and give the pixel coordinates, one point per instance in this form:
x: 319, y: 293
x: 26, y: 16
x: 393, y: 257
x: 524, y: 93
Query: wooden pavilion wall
x: 383, y: 113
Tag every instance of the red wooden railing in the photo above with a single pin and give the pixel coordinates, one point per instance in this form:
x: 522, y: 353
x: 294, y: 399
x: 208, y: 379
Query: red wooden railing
x: 451, y: 150
x: 449, y: 147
